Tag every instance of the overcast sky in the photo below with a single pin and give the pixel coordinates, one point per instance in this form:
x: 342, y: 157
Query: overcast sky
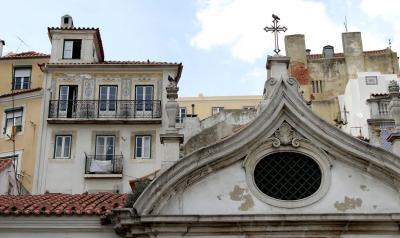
x: 221, y: 43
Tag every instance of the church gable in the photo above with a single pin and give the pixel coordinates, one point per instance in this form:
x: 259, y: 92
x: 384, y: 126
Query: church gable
x: 284, y: 174
x: 348, y: 171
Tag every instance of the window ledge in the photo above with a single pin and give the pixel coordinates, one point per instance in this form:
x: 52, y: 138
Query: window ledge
x: 89, y: 176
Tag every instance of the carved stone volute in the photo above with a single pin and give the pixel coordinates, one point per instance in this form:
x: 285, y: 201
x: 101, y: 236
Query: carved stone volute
x: 285, y: 135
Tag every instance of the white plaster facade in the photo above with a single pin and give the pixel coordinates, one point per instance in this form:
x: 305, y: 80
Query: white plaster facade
x: 354, y: 108
x: 83, y: 120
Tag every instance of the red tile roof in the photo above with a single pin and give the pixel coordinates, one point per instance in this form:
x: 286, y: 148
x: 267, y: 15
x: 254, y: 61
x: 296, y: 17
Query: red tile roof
x: 4, y: 164
x: 25, y: 55
x: 116, y: 62
x: 339, y: 55
x: 319, y: 56
x: 379, y: 94
x: 61, y: 204
x: 18, y: 92
x: 98, y: 36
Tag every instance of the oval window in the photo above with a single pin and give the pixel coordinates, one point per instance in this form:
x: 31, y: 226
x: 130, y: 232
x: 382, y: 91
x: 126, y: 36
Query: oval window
x: 287, y: 176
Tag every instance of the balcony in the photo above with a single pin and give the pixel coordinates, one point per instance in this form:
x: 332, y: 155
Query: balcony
x: 103, y: 166
x: 103, y: 111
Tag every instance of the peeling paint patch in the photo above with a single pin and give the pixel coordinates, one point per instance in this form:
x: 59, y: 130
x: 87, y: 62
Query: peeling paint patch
x: 242, y: 194
x: 364, y: 187
x: 247, y: 204
x: 348, y: 204
x: 237, y: 193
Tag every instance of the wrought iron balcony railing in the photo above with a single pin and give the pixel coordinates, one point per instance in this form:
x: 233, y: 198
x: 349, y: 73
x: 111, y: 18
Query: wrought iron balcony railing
x: 113, y: 109
x: 103, y: 164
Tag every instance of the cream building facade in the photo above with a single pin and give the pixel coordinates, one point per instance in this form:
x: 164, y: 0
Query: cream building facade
x: 323, y: 77
x: 105, y: 122
x: 206, y: 106
x: 20, y: 105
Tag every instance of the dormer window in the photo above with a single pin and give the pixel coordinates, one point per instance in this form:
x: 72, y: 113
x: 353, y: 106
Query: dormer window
x: 72, y: 49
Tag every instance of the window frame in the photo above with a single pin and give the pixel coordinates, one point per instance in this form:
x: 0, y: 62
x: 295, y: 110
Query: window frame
x: 369, y: 78
x: 150, y: 146
x: 62, y: 146
x: 219, y: 110
x: 12, y: 111
x: 72, y: 52
x: 143, y: 107
x: 21, y: 67
x: 108, y: 102
x: 105, y: 144
x: 179, y: 118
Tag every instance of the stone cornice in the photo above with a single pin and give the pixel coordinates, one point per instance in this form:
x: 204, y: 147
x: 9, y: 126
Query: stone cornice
x: 271, y: 224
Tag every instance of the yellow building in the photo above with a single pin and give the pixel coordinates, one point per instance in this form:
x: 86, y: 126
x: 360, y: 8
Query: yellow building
x: 20, y: 105
x: 205, y: 106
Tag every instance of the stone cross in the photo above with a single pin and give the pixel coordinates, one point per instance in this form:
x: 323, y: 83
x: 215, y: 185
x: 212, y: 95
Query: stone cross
x: 275, y: 28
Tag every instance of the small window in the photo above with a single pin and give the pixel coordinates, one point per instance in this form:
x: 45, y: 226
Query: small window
x: 62, y: 148
x: 65, y: 20
x: 371, y: 80
x: 13, y: 121
x: 316, y: 86
x: 72, y: 49
x: 143, y: 147
x: 144, y: 98
x: 22, y: 78
x: 181, y: 115
x: 248, y: 107
x: 216, y: 110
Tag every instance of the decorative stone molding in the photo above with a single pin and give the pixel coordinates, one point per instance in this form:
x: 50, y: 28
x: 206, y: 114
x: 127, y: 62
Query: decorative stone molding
x: 393, y: 86
x: 285, y: 135
x: 172, y: 105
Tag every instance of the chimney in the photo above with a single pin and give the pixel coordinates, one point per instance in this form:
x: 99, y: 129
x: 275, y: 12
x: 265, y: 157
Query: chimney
x: 295, y: 47
x: 308, y: 51
x: 66, y: 21
x: 353, y: 53
x: 2, y: 43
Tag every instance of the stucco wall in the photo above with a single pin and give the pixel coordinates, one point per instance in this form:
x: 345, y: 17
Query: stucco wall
x: 203, y: 104
x: 26, y: 141
x: 226, y: 192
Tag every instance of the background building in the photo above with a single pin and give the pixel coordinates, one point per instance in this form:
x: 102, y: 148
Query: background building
x: 323, y: 77
x: 104, y: 120
x: 355, y: 103
x: 20, y: 105
x: 206, y: 106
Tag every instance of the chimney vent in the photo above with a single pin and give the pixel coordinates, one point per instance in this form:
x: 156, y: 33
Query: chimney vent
x: 66, y: 21
x: 328, y: 51
x: 2, y: 43
x: 308, y: 51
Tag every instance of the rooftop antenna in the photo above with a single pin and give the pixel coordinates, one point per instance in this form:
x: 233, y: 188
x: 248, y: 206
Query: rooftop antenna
x: 21, y: 42
x: 345, y: 23
x: 391, y: 54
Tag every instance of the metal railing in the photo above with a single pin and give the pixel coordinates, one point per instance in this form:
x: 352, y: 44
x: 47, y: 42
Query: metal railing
x: 92, y: 109
x: 103, y: 164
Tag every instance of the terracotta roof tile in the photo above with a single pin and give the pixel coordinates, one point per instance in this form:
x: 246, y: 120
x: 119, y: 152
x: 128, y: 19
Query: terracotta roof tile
x: 379, y: 94
x: 116, y: 62
x: 319, y: 56
x: 18, y: 92
x: 82, y: 29
x: 25, y: 55
x: 61, y: 204
x: 340, y: 55
x: 4, y: 164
